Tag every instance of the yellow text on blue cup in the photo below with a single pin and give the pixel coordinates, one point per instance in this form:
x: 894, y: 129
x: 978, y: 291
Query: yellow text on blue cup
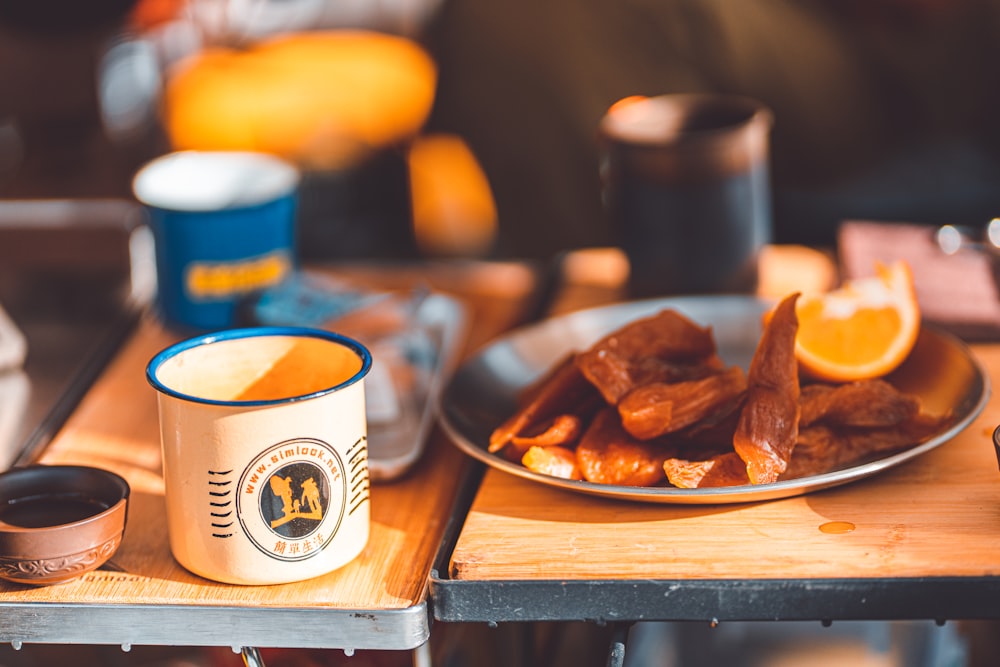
x: 224, y: 228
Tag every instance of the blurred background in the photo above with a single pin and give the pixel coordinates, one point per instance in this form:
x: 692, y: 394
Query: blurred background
x: 342, y: 89
x: 453, y: 127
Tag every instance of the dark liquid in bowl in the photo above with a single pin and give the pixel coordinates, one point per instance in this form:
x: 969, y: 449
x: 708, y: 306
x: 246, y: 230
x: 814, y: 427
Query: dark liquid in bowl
x: 44, y: 512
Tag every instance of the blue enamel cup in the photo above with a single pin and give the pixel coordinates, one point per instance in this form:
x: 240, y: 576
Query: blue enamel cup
x: 223, y: 224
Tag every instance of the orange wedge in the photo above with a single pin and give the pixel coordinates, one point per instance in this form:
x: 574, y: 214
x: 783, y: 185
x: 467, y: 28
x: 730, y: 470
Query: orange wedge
x: 863, y: 329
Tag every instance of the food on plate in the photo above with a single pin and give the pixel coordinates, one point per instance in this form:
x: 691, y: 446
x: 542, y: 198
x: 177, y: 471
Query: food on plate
x: 666, y: 347
x: 563, y: 429
x: 563, y: 391
x: 720, y: 470
x: 823, y: 448
x: 862, y: 330
x: 556, y: 461
x: 864, y: 403
x: 769, y: 422
x: 653, y: 404
x: 651, y: 410
x: 609, y: 455
x: 837, y: 439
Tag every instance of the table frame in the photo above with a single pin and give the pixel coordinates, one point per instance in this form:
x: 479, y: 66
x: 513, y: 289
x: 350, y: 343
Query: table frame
x: 131, y: 624
x: 610, y: 601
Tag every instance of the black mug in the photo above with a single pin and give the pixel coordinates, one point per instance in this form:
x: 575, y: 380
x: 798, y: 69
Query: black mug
x: 686, y: 181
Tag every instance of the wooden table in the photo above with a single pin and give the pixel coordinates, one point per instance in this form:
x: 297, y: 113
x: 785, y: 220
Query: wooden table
x: 925, y: 545
x: 379, y: 601
x: 498, y: 548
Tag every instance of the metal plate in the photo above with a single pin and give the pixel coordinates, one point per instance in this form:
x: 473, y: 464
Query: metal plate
x: 482, y: 393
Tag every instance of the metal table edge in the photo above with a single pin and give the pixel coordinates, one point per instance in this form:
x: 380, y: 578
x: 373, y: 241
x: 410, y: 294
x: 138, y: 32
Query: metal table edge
x: 193, y: 625
x: 611, y: 601
x: 468, y: 485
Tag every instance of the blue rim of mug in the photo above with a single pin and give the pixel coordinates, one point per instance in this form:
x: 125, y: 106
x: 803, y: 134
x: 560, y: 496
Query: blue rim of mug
x: 255, y: 332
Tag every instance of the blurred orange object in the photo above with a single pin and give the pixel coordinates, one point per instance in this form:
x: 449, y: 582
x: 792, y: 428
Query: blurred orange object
x: 322, y: 99
x: 147, y: 14
x: 786, y: 268
x: 453, y: 208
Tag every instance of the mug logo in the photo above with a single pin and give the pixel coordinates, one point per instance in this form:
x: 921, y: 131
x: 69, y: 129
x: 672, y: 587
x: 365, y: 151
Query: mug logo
x: 295, y: 502
x: 206, y: 280
x: 292, y: 498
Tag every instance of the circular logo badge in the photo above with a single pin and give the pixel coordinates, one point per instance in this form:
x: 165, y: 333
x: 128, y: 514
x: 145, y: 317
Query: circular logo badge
x: 292, y: 498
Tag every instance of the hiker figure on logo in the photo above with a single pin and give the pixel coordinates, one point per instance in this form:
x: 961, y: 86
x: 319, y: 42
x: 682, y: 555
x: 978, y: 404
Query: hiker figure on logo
x: 308, y: 504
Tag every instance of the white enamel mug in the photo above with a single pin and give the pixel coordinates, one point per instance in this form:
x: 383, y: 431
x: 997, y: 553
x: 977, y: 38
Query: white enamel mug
x: 265, y: 456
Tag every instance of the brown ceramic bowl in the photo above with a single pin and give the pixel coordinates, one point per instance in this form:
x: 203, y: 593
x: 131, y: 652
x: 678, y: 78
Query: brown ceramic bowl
x: 59, y: 521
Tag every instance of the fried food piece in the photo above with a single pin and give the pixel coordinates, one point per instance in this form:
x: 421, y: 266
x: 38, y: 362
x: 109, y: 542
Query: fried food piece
x: 872, y: 403
x: 721, y: 470
x: 653, y: 369
x: 564, y: 391
x: 561, y: 430
x: 608, y: 455
x: 769, y: 422
x: 715, y: 431
x: 821, y: 448
x: 664, y: 346
x: 654, y: 409
x: 555, y: 461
